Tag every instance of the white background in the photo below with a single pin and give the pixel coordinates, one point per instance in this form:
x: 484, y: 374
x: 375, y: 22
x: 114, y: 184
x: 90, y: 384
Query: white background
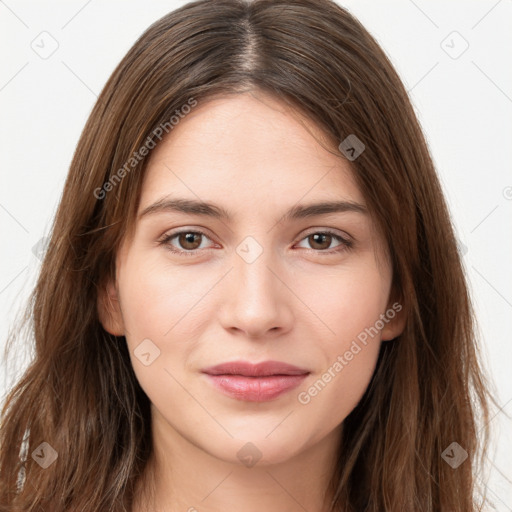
x: 464, y: 103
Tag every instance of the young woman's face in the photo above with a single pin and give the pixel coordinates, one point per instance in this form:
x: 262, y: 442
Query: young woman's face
x: 273, y: 280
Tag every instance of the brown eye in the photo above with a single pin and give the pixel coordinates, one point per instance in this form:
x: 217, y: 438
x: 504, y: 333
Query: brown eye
x: 187, y: 243
x: 189, y: 240
x: 320, y: 241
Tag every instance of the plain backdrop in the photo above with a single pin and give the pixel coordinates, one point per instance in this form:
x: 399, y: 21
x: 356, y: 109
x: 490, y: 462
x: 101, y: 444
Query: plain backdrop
x: 454, y: 58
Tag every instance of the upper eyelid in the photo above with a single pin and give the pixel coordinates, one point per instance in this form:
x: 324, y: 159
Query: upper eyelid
x: 171, y: 234
x: 345, y: 237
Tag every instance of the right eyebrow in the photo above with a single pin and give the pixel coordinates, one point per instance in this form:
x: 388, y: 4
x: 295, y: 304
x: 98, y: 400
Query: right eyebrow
x: 195, y: 207
x: 190, y: 206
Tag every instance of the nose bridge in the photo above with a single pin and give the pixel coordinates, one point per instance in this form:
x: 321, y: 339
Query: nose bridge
x: 258, y: 302
x: 253, y: 277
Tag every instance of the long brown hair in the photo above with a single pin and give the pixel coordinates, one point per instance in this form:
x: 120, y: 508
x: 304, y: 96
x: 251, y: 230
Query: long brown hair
x: 80, y: 394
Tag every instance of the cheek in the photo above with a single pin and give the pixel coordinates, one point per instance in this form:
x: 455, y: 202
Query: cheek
x: 329, y: 397
x: 166, y: 306
x: 157, y: 299
x: 350, y: 304
x: 347, y: 302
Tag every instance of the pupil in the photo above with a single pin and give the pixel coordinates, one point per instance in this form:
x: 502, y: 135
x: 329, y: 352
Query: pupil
x: 189, y: 239
x: 318, y: 236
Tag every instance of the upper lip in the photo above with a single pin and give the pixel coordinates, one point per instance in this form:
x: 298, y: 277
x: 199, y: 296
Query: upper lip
x: 248, y: 369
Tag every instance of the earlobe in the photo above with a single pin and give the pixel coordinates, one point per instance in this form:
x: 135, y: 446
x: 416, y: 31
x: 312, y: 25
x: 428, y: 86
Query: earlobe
x: 395, y: 322
x: 109, y: 310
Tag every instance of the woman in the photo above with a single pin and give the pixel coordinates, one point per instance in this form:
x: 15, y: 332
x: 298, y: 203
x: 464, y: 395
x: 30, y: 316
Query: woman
x: 199, y: 344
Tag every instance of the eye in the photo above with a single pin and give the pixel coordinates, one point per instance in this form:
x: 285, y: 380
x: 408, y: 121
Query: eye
x: 189, y: 241
x: 320, y: 241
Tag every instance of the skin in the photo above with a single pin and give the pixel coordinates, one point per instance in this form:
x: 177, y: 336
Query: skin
x: 295, y: 303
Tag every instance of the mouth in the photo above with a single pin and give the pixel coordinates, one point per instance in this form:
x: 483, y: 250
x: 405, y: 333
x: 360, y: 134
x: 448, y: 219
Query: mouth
x: 260, y: 382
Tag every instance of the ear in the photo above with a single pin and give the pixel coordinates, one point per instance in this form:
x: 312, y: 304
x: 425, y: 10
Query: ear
x: 109, y: 310
x: 394, y: 320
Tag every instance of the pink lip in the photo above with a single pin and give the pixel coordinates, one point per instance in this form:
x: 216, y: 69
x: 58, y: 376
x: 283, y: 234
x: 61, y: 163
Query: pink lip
x: 255, y: 382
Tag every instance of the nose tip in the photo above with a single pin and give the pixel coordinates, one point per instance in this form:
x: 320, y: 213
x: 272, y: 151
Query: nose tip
x: 258, y: 301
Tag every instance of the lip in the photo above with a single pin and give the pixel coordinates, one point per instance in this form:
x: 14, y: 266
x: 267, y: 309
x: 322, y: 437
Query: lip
x: 259, y: 382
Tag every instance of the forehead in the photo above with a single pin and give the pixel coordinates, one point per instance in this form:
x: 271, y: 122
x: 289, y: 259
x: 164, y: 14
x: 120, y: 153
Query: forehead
x: 248, y: 146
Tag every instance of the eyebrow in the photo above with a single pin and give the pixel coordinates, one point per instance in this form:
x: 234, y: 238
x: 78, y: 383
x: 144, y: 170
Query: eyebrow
x: 196, y: 207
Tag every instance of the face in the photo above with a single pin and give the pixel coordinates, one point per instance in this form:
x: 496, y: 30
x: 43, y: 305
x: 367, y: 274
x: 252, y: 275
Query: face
x: 254, y: 276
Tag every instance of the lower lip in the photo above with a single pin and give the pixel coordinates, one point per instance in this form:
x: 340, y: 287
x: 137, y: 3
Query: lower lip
x: 255, y: 389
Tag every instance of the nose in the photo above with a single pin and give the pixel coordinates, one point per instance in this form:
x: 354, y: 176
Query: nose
x: 257, y: 302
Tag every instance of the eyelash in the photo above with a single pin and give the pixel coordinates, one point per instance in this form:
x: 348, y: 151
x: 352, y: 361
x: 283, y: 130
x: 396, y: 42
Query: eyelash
x: 345, y: 244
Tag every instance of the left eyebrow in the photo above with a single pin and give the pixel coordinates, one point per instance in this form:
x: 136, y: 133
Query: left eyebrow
x: 301, y: 211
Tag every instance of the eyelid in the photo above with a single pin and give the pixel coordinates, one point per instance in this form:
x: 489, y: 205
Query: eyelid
x: 346, y: 241
x: 328, y: 231
x: 168, y: 236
